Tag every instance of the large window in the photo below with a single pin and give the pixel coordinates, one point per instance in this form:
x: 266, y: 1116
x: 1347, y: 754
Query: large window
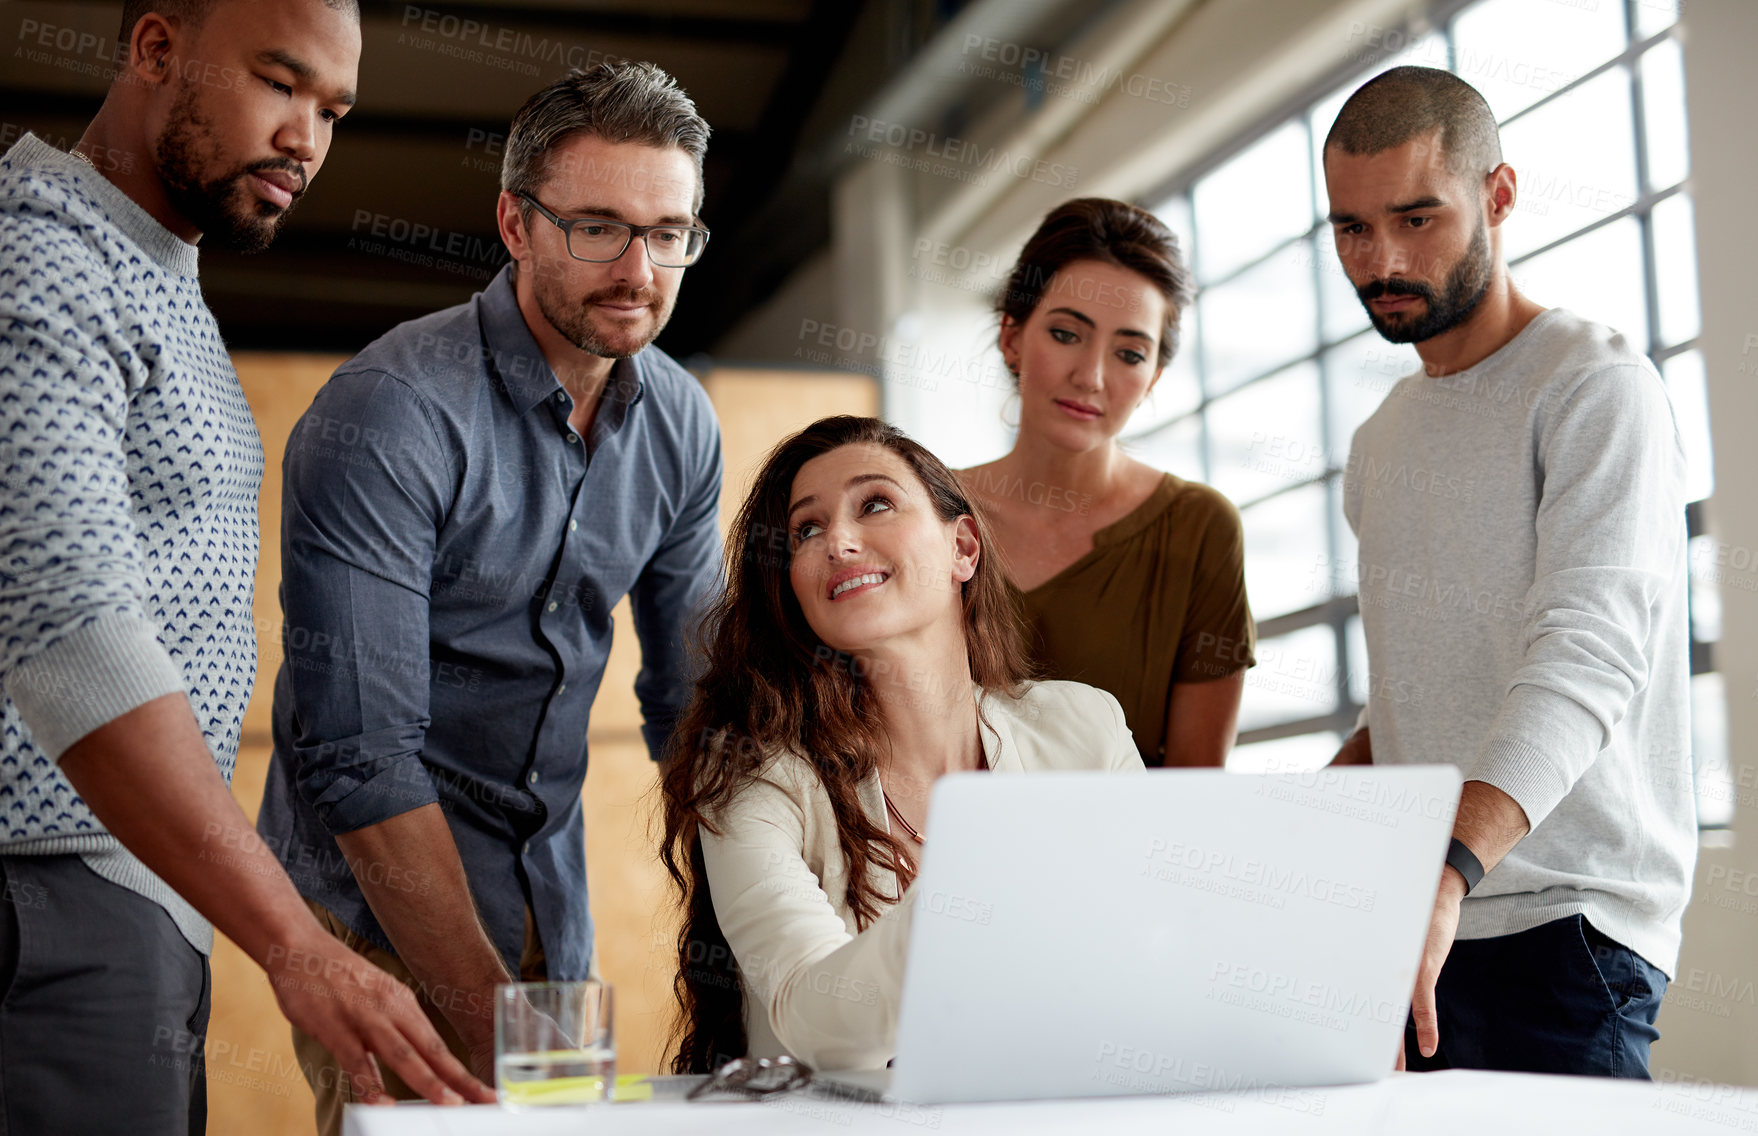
x: 1280, y: 365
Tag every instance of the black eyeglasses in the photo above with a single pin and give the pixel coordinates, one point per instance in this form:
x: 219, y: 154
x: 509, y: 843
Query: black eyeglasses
x: 754, y: 1077
x: 599, y: 241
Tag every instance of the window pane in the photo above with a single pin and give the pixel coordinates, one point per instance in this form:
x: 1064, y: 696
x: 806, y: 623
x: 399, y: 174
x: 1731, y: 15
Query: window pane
x: 1295, y: 678
x: 1709, y: 567
x: 1268, y: 435
x: 1356, y: 639
x: 1716, y: 793
x: 1319, y: 122
x: 1428, y: 51
x: 1359, y: 373
x: 1285, y: 560
x: 1176, y: 215
x: 1675, y: 270
x: 1516, y: 52
x: 1343, y: 313
x: 1177, y: 449
x: 1662, y: 68
x: 1254, y: 202
x: 1177, y: 393
x: 1688, y: 386
x: 1655, y: 16
x: 1285, y: 755
x: 1179, y: 390
x: 1576, y: 160
x: 1340, y: 572
x: 1598, y: 277
x: 1256, y: 322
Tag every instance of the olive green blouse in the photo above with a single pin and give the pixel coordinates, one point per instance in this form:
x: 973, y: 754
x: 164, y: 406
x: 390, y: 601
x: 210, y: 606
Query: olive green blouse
x: 1160, y: 599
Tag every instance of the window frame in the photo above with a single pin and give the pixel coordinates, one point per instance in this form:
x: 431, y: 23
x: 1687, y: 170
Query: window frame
x: 1440, y: 18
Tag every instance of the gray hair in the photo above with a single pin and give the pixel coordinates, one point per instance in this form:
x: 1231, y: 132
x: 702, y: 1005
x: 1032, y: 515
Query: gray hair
x: 1410, y: 102
x: 618, y: 102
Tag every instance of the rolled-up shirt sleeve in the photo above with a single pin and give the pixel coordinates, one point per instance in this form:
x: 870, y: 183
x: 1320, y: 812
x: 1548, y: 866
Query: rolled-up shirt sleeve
x: 77, y: 648
x: 367, y: 483
x: 668, y: 598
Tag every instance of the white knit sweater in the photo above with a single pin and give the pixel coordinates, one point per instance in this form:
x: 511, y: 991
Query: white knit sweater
x: 1523, y: 592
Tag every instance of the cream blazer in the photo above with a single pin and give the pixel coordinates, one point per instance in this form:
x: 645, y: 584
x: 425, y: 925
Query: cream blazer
x: 813, y: 987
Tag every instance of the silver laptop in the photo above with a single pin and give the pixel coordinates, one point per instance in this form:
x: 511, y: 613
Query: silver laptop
x: 1096, y: 934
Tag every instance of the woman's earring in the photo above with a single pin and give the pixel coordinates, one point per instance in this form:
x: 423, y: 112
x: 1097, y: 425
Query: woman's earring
x: 1015, y: 401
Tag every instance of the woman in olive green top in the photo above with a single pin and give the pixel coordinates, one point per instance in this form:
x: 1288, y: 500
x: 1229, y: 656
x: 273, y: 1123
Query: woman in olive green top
x: 1131, y: 580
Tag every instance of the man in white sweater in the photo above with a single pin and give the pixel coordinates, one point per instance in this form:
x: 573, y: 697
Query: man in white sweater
x: 1519, y: 503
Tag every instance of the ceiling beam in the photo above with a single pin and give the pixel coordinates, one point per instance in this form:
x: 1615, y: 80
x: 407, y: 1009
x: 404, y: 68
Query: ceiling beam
x: 648, y: 24
x: 756, y: 258
x: 24, y: 105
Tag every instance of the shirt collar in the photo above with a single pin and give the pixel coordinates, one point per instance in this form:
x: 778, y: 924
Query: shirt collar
x: 170, y: 251
x: 995, y: 725
x: 518, y: 365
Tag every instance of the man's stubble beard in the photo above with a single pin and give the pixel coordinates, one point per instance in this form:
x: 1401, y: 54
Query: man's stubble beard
x: 1465, y: 288
x: 573, y: 320
x: 223, y: 208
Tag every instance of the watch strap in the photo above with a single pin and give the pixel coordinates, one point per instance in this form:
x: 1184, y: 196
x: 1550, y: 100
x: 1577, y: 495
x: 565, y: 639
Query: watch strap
x: 1467, y: 863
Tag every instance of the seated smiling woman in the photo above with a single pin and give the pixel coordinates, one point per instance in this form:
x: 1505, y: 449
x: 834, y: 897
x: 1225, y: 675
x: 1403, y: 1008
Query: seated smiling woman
x: 864, y: 645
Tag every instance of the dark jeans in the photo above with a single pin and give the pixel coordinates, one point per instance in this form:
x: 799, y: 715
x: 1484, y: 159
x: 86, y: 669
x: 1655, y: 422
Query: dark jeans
x: 103, y: 1007
x: 1560, y: 998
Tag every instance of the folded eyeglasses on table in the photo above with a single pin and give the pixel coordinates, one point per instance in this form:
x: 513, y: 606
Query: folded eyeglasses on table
x: 752, y: 1078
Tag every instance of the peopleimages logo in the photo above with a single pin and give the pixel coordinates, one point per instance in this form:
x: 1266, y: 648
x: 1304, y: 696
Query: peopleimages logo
x: 959, y: 155
x: 504, y: 47
x: 1359, y: 796
x: 1260, y: 874
x: 1324, y: 999
x: 1063, y: 75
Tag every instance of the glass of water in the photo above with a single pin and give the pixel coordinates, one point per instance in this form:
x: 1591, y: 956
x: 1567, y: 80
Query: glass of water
x: 553, y: 1044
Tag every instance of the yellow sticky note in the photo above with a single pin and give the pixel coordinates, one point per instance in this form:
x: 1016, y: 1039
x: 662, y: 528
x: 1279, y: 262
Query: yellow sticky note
x: 633, y: 1087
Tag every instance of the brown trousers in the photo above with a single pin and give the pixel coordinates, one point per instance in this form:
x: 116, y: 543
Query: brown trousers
x: 329, y: 1084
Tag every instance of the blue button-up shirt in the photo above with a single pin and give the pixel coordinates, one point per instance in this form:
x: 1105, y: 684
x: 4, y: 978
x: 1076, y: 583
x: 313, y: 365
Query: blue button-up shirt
x: 450, y: 554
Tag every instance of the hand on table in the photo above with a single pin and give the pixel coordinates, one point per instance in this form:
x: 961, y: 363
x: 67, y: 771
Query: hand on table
x: 364, y: 1016
x: 482, y: 1059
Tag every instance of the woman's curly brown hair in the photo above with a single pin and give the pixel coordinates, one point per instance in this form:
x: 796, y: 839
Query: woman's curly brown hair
x: 770, y: 685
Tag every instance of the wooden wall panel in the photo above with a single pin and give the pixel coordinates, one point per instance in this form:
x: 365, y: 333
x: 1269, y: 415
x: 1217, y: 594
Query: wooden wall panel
x: 254, y: 1084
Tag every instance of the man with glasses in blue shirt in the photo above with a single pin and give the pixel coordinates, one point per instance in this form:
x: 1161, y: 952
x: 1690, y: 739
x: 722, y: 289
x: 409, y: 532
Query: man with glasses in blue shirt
x: 464, y: 503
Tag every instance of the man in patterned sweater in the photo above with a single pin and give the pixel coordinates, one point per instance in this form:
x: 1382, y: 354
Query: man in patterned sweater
x: 130, y: 469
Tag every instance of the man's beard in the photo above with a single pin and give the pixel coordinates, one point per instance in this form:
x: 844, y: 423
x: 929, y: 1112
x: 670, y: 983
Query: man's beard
x: 574, y: 319
x: 1465, y: 288
x: 224, y: 208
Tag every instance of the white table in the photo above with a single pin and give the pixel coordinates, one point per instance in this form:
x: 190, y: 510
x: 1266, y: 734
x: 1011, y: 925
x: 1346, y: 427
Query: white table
x: 1431, y: 1104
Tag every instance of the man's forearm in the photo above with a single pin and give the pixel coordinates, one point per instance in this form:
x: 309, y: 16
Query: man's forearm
x: 1489, y: 823
x: 409, y: 869
x: 149, y: 777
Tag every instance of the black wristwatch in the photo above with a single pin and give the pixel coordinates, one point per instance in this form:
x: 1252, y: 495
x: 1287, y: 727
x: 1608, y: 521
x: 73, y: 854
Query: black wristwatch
x: 1466, y: 861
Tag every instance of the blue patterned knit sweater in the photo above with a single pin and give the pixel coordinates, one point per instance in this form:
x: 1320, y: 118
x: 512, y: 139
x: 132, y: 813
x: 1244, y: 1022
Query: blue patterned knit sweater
x: 129, y: 470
